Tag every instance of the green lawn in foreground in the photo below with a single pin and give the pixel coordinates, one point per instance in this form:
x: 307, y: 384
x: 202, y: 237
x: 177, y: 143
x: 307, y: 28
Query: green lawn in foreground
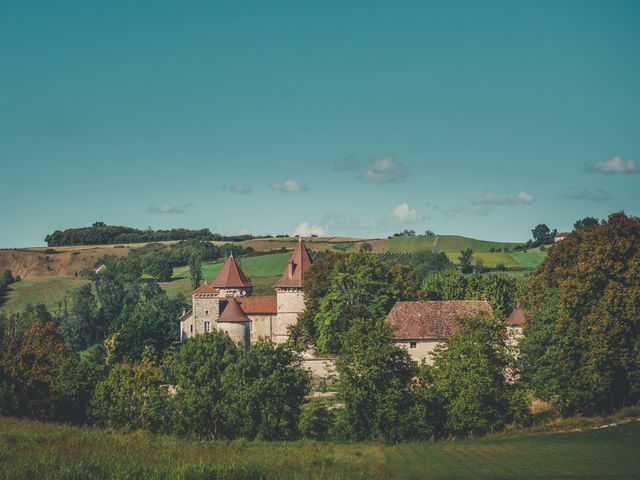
x: 31, y: 450
x: 49, y: 291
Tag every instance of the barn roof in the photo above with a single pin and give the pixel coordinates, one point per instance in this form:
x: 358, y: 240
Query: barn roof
x: 231, y: 276
x: 431, y: 320
x: 298, y: 266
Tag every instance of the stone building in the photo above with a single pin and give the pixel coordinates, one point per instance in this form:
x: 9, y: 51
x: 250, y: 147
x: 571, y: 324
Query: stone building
x: 228, y: 303
x: 420, y: 326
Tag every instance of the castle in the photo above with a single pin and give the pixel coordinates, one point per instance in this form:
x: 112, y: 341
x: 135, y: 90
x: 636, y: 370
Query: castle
x: 227, y: 303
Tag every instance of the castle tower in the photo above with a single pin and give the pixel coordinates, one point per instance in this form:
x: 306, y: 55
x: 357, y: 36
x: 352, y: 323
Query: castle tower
x: 235, y: 322
x: 289, y: 291
x: 231, y: 280
x: 205, y: 310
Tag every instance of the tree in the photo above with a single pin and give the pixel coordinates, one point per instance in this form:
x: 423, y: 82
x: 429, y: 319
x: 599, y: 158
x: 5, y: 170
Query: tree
x: 159, y: 267
x: 542, y: 235
x: 427, y: 262
x: 83, y: 326
x: 501, y: 291
x: 361, y: 286
x: 374, y: 383
x: 316, y: 420
x: 151, y: 324
x: 469, y: 374
x: 466, y: 259
x: 429, y: 233
x: 586, y: 222
x: 366, y: 247
x: 132, y: 397
x: 264, y: 391
x: 316, y: 286
x: 32, y: 363
x: 195, y: 271
x: 198, y: 367
x: 581, y: 348
x: 77, y: 381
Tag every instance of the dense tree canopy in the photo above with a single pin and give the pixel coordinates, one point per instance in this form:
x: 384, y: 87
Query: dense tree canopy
x: 582, y: 340
x: 264, y: 389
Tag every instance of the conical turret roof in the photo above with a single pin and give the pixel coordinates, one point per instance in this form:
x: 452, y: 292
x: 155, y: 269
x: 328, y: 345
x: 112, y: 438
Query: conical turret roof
x: 231, y: 276
x: 298, y: 266
x: 233, y: 312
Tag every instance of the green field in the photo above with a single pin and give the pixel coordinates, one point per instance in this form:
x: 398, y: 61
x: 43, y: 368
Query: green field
x: 50, y: 291
x: 33, y: 450
x: 444, y: 243
x: 527, y: 260
x: 263, y: 270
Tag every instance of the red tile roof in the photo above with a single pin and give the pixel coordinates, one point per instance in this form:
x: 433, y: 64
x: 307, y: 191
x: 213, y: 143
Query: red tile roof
x: 298, y: 266
x: 233, y: 312
x: 231, y: 276
x: 431, y: 320
x: 205, y: 289
x: 516, y: 318
x: 259, y: 304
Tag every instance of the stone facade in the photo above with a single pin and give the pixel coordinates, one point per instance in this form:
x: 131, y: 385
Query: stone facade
x: 265, y: 316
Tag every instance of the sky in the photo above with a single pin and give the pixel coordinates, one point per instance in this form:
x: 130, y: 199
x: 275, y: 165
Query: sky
x: 335, y: 118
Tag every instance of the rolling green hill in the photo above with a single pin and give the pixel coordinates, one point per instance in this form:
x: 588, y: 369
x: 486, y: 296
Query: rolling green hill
x: 49, y: 291
x: 30, y: 449
x: 444, y: 243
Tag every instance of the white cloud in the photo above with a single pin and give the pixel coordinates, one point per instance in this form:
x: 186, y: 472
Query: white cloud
x: 170, y: 208
x: 241, y: 188
x: 613, y: 165
x: 492, y: 198
x: 406, y: 214
x: 384, y: 170
x: 525, y: 197
x: 290, y: 186
x: 597, y: 195
x: 305, y: 229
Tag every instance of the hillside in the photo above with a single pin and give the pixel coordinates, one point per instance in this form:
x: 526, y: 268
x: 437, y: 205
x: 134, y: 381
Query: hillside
x: 50, y: 276
x: 32, y: 449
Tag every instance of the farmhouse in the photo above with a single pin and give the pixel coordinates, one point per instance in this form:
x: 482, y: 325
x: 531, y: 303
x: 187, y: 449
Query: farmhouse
x: 420, y: 326
x: 227, y: 303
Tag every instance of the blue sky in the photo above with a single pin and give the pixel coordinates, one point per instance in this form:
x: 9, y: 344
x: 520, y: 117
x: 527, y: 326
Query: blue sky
x: 345, y: 118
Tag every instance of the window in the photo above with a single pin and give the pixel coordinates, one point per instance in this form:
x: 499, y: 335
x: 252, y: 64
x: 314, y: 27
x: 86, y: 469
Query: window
x: 207, y: 326
x: 413, y: 344
x: 206, y: 312
x: 191, y: 328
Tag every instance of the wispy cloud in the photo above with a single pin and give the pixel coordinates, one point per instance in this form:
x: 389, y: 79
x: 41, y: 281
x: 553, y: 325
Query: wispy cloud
x: 384, y: 170
x: 241, y: 188
x: 470, y: 210
x: 492, y: 198
x: 403, y: 213
x: 290, y: 186
x: 613, y: 165
x: 598, y: 195
x: 306, y: 229
x: 169, y: 208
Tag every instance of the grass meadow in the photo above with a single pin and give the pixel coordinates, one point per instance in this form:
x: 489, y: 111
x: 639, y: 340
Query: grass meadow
x: 444, y: 243
x: 49, y: 290
x: 31, y: 450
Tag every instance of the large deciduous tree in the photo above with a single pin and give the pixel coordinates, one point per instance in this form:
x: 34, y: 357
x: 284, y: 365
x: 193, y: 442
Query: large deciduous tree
x: 198, y: 368
x: 582, y: 340
x: 375, y: 384
x: 264, y: 390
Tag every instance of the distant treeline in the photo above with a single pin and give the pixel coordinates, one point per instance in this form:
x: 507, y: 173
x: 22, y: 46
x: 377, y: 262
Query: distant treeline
x: 101, y: 234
